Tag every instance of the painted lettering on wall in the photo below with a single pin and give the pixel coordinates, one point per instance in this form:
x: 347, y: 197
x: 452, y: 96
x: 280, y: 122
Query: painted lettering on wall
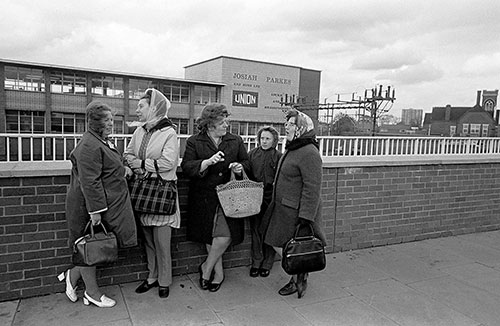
x: 248, y: 99
x: 238, y: 75
x: 276, y: 80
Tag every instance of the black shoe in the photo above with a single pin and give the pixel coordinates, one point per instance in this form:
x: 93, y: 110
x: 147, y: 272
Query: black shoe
x: 214, y: 287
x: 264, y: 272
x: 163, y: 291
x: 204, y: 284
x: 145, y: 286
x: 289, y: 288
x: 301, y: 284
x: 254, y: 272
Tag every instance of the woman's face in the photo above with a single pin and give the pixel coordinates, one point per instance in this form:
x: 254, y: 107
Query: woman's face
x: 266, y: 139
x: 219, y: 129
x: 290, y: 129
x: 142, y: 110
x: 108, y: 125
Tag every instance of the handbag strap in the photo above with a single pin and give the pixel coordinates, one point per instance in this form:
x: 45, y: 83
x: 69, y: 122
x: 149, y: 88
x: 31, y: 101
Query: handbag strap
x: 150, y: 174
x: 90, y: 227
x: 243, y: 173
x: 297, y: 229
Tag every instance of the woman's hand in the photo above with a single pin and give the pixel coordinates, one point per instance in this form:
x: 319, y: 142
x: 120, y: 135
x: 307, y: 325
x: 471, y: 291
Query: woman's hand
x: 236, y: 167
x: 135, y: 163
x: 128, y: 172
x: 214, y: 159
x: 95, y: 218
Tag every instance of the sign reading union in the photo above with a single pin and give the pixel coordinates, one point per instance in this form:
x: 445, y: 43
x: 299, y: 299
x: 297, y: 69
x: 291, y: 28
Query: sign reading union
x: 243, y: 98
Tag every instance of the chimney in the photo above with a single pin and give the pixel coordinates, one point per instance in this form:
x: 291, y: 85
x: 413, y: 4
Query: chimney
x: 478, y: 100
x: 447, y: 113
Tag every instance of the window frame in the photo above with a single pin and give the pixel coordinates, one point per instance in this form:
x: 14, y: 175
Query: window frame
x: 33, y: 80
x: 16, y: 117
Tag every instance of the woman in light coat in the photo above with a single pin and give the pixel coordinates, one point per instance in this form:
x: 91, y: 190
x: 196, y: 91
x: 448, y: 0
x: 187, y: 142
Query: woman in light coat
x: 154, y: 146
x: 297, y: 191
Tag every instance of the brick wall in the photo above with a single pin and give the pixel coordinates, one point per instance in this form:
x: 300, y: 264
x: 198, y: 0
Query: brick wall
x: 387, y: 205
x: 362, y: 207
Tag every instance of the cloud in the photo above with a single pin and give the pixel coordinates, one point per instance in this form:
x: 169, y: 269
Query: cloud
x: 390, y: 57
x: 446, y: 48
x: 483, y: 64
x: 415, y: 74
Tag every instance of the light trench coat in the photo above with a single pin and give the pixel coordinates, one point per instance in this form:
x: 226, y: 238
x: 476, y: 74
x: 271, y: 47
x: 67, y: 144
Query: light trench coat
x: 163, y: 148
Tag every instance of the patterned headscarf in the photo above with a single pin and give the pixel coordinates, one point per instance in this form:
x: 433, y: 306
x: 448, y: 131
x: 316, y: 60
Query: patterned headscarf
x: 158, y: 109
x: 304, y: 123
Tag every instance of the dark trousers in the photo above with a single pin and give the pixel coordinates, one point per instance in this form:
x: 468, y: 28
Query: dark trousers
x: 262, y: 254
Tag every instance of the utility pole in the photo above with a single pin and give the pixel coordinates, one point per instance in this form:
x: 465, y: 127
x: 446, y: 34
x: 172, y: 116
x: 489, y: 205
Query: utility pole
x: 376, y: 101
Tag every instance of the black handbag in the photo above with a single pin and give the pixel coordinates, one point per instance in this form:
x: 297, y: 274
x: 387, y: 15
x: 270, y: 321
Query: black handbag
x: 95, y: 247
x: 303, y: 254
x: 153, y: 195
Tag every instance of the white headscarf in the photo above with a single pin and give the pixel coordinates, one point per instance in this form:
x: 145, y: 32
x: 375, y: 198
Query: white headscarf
x: 158, y: 109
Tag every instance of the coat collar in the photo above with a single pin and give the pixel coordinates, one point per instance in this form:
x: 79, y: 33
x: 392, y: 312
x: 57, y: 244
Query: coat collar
x: 225, y: 140
x: 106, y: 142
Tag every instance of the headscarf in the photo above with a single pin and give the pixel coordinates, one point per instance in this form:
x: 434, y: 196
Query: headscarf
x: 305, y: 133
x: 158, y: 109
x: 304, y: 123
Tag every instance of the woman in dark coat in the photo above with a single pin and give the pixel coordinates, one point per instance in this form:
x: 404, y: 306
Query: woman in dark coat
x: 297, y: 191
x: 98, y: 194
x: 263, y: 164
x: 209, y: 157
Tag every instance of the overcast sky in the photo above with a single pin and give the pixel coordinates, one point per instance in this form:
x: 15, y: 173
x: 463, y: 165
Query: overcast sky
x: 433, y: 52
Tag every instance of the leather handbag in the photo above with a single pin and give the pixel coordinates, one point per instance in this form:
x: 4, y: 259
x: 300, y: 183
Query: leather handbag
x: 95, y: 247
x: 303, y: 254
x: 153, y: 195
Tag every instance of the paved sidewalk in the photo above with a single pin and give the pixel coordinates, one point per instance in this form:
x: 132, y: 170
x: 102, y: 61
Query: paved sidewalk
x: 447, y: 281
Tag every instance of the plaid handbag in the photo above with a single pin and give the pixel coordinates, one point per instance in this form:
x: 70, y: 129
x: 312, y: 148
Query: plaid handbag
x: 153, y: 195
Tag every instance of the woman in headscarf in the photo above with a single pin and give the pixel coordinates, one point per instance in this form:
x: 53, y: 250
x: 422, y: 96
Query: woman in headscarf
x: 154, y: 146
x: 97, y: 193
x: 297, y: 191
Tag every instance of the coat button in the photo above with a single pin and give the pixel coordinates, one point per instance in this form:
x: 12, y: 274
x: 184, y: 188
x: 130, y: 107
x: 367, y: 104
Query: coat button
x: 220, y: 174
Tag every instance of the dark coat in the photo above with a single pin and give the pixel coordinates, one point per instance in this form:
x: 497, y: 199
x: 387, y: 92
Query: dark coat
x: 203, y: 200
x: 297, y: 194
x: 262, y: 168
x: 263, y: 165
x: 97, y: 183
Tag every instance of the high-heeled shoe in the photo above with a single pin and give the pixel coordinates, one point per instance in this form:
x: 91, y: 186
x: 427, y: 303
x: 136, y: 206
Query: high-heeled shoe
x: 289, y: 288
x: 214, y: 287
x: 70, y: 290
x: 204, y: 284
x: 104, y: 303
x: 301, y: 284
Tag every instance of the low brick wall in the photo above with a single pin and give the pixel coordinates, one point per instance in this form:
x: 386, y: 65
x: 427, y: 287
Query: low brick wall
x: 362, y: 207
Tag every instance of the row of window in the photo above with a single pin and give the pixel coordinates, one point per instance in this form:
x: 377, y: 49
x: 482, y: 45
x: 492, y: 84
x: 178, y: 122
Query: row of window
x: 29, y: 79
x: 473, y: 129
x: 70, y: 123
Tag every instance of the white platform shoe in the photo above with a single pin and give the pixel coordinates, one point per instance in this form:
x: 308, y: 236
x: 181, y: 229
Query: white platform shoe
x: 104, y: 303
x: 70, y: 291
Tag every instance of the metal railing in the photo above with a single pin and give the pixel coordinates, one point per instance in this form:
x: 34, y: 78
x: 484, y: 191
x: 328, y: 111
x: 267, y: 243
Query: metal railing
x: 57, y: 147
